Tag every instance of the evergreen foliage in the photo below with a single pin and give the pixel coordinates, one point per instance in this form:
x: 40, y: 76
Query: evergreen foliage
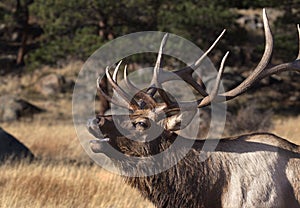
x: 57, y: 31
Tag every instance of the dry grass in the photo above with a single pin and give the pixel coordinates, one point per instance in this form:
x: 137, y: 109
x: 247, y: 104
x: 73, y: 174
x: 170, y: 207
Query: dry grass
x: 288, y: 128
x: 46, y: 140
x: 61, y: 185
x: 57, y: 183
x: 54, y: 182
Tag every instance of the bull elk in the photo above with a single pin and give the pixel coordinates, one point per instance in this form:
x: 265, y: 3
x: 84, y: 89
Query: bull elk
x: 252, y: 170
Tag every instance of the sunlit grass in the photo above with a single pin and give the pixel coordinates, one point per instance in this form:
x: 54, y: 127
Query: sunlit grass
x: 64, y: 185
x: 288, y: 128
x: 52, y: 181
x: 55, y: 141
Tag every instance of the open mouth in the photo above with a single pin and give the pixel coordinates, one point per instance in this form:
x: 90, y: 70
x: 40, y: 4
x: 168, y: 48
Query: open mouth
x: 106, y: 139
x: 98, y: 145
x: 99, y: 137
x: 93, y: 128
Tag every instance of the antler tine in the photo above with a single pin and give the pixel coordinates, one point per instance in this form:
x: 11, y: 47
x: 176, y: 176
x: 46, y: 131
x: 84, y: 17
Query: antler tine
x: 155, y: 79
x: 199, y: 61
x: 298, y: 27
x: 293, y: 66
x: 214, y: 93
x: 159, y: 56
x: 215, y: 90
x: 249, y: 81
x: 205, y: 101
x: 115, y: 74
x: 128, y: 99
x: 268, y: 47
x: 120, y: 103
x: 128, y: 82
x: 146, y: 99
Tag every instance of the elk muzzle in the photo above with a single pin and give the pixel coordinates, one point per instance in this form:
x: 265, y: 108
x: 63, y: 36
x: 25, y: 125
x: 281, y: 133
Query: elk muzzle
x: 93, y: 128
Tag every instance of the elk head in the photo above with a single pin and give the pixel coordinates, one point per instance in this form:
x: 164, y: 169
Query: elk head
x: 151, y: 126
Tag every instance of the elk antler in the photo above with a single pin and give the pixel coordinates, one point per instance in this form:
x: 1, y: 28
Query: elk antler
x: 125, y: 100
x: 184, y: 74
x: 262, y: 70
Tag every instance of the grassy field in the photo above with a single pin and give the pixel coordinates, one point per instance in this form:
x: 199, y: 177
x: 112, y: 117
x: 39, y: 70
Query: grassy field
x: 63, y: 175
x: 54, y: 181
x: 57, y: 184
x: 288, y: 128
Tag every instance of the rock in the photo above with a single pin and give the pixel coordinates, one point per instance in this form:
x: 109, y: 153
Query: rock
x: 11, y: 148
x: 13, y: 108
x: 50, y: 84
x: 250, y: 22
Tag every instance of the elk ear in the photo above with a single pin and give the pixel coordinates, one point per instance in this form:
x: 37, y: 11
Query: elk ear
x: 179, y: 121
x: 173, y: 123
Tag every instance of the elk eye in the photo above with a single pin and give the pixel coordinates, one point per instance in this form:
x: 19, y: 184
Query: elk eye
x: 142, y: 124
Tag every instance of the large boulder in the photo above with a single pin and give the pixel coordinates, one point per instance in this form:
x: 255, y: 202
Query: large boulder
x: 53, y: 84
x: 50, y: 84
x: 11, y: 148
x: 13, y: 108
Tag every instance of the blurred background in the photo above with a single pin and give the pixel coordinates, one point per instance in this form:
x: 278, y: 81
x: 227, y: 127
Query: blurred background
x: 43, y: 45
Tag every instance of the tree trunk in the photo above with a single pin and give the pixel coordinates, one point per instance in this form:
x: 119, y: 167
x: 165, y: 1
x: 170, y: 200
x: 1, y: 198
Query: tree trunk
x: 22, y: 17
x: 103, y: 102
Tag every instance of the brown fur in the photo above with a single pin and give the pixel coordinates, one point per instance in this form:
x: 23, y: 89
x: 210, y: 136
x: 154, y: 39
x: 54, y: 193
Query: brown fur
x: 254, y: 170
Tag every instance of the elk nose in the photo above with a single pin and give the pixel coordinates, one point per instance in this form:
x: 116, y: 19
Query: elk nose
x: 92, y: 123
x: 100, y: 120
x: 93, y: 127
